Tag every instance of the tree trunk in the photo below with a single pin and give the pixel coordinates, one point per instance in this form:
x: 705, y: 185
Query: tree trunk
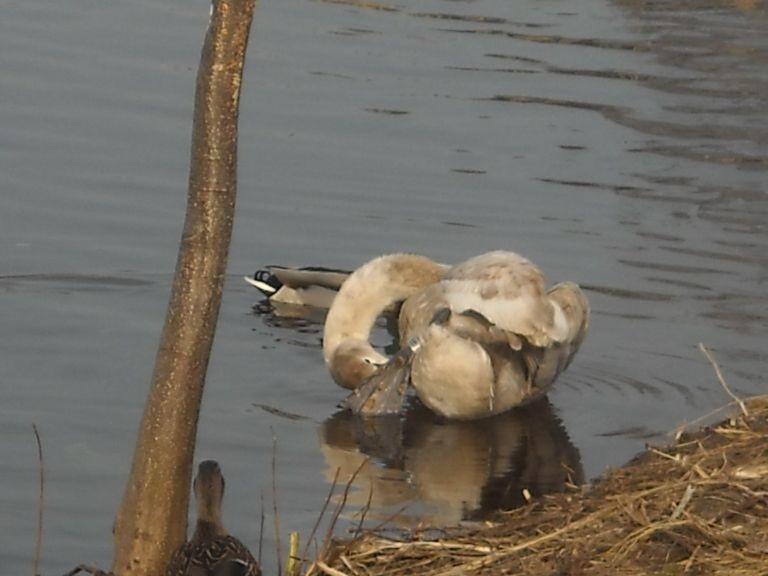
x: 152, y: 518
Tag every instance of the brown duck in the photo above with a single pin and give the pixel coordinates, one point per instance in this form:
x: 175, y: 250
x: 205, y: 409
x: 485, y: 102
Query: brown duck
x: 211, y: 551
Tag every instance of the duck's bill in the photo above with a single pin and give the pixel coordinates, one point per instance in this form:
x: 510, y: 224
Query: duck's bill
x: 384, y: 392
x: 259, y: 281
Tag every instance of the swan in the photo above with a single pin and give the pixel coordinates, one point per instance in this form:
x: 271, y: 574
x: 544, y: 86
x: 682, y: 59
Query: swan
x: 211, y: 550
x: 478, y: 338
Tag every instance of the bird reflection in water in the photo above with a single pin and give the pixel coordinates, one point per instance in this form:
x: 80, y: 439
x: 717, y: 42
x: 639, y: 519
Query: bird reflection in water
x: 281, y: 315
x: 458, y: 470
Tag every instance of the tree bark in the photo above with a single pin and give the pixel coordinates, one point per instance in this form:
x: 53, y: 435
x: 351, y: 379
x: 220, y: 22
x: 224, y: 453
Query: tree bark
x: 152, y: 519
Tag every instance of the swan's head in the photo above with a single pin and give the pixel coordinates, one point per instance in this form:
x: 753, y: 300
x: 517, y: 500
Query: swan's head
x: 353, y: 362
x: 383, y: 392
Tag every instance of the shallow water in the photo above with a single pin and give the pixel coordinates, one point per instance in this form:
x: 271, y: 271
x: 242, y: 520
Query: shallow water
x: 623, y: 145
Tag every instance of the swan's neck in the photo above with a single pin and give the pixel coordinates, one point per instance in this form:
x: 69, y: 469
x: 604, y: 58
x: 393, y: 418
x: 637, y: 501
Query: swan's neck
x: 370, y: 290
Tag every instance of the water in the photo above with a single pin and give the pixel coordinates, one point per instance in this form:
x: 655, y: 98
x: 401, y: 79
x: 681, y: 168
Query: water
x: 619, y: 144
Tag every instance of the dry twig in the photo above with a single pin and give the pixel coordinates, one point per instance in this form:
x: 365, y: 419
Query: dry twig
x: 261, y: 525
x: 319, y: 518
x: 723, y: 383
x: 40, y: 502
x: 274, y: 505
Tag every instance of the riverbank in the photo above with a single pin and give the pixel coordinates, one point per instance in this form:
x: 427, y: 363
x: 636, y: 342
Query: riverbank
x: 699, y: 506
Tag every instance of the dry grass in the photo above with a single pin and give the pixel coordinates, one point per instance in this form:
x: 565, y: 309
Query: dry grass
x: 697, y: 507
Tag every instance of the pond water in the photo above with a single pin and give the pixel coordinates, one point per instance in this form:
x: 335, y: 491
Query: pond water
x: 618, y: 143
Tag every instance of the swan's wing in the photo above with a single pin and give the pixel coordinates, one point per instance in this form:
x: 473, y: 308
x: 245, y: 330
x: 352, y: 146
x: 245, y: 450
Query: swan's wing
x: 572, y: 311
x: 472, y: 325
x: 542, y: 364
x: 509, y: 291
x: 572, y: 308
x: 506, y: 290
x: 494, y: 266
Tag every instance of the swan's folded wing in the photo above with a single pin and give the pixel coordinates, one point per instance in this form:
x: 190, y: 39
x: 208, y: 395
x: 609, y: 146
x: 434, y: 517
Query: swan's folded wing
x: 572, y: 310
x: 521, y: 309
x: 474, y: 326
x: 509, y: 291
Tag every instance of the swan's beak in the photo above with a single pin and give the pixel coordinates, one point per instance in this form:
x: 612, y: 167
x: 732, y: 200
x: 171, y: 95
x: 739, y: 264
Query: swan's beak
x: 383, y: 393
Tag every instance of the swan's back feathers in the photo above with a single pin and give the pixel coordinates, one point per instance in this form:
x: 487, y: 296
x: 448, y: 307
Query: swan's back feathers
x: 509, y: 291
x: 497, y: 265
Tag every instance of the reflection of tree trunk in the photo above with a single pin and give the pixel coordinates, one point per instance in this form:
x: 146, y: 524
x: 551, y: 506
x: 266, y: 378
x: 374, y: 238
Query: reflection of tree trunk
x: 151, y: 521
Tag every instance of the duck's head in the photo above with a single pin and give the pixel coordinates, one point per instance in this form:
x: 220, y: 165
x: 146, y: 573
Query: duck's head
x: 209, y: 490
